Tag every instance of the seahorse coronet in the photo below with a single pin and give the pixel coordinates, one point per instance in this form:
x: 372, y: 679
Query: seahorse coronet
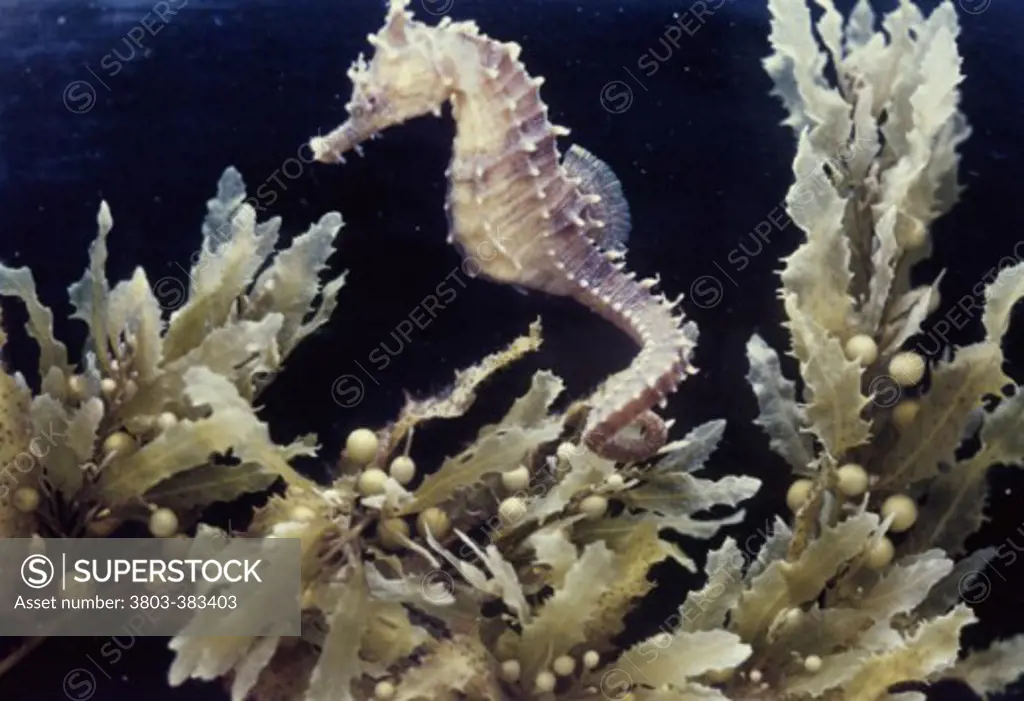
x: 557, y: 222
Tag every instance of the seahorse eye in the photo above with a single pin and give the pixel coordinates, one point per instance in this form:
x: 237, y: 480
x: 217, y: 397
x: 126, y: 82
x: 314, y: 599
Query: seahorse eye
x: 363, y: 103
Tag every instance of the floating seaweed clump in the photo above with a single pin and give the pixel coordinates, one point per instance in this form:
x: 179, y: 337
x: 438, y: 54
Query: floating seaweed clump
x: 508, y: 570
x: 132, y: 433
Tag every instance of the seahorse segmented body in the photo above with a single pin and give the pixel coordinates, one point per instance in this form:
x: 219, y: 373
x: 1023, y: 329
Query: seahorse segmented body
x: 529, y: 218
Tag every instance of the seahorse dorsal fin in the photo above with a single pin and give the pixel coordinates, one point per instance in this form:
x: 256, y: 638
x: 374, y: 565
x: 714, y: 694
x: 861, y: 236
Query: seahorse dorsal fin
x: 597, y: 178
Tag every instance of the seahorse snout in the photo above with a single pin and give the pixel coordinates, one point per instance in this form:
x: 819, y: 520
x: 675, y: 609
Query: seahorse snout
x: 332, y: 147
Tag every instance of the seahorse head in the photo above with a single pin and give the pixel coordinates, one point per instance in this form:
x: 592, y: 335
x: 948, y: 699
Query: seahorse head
x: 400, y: 81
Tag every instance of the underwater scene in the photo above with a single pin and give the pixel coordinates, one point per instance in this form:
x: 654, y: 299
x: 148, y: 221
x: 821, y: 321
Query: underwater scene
x: 559, y: 350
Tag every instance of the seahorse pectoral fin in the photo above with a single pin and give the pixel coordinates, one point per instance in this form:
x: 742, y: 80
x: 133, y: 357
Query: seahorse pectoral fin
x: 596, y: 178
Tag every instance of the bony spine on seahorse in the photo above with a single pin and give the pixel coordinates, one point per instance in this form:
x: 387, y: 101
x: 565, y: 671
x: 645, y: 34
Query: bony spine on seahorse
x: 549, y: 224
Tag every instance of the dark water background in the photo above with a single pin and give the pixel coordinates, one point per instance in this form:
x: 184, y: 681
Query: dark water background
x: 87, y: 114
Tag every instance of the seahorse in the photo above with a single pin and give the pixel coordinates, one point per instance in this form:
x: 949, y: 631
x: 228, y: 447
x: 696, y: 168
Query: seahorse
x: 529, y: 217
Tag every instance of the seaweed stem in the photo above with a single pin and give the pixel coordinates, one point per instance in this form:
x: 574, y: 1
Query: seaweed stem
x: 21, y: 653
